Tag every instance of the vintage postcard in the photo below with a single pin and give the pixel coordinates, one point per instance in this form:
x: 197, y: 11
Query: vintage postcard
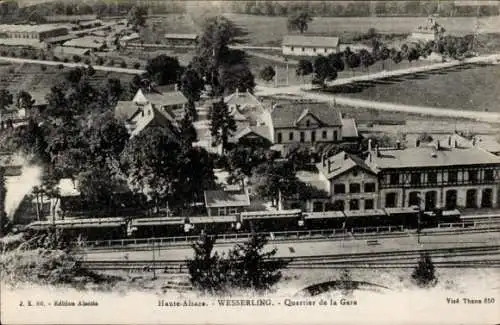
x: 249, y: 162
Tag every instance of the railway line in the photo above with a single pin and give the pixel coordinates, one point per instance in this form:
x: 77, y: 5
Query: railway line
x: 479, y: 256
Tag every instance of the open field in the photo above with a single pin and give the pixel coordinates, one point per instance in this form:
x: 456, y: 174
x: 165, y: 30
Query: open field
x: 475, y: 88
x: 270, y: 30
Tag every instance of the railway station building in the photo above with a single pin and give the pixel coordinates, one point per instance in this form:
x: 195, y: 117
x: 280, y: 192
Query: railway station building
x: 440, y: 176
x: 301, y: 45
x: 32, y: 32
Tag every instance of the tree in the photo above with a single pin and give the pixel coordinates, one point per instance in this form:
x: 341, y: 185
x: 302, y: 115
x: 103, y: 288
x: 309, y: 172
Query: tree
x: 188, y: 132
x: 191, y: 85
x: 396, y: 56
x: 24, y: 101
x: 137, y: 17
x: 245, y: 267
x: 267, y: 74
x: 413, y: 55
x: 150, y: 161
x: 424, y: 273
x: 353, y: 61
x: 222, y: 123
x: 114, y: 90
x: 366, y: 58
x: 6, y: 99
x: 304, y: 68
x: 336, y: 61
x: 164, y: 69
x: 323, y: 70
x: 236, y: 77
x: 299, y: 20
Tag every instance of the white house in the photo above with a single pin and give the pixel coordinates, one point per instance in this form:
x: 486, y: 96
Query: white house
x: 310, y: 45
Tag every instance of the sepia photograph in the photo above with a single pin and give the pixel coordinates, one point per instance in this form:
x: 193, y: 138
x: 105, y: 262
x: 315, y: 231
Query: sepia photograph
x: 249, y: 162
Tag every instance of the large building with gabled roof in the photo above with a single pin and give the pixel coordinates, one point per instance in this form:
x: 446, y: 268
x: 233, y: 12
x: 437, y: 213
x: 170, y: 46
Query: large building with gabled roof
x: 304, y: 45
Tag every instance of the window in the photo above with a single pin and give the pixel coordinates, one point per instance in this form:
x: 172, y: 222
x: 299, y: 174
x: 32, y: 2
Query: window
x: 354, y: 204
x: 452, y: 177
x: 486, y: 198
x: 354, y: 188
x: 303, y: 49
x: 470, y: 200
x: 369, y: 204
x: 414, y: 199
x: 451, y: 199
x: 290, y: 136
x: 472, y: 176
x: 390, y: 200
x: 222, y: 211
x: 313, y: 136
x: 302, y: 137
x: 488, y: 175
x: 314, y: 50
x: 338, y: 188
x: 394, y: 179
x: 279, y: 137
x: 308, y: 123
x: 432, y: 178
x: 338, y: 205
x: 430, y: 200
x: 415, y: 178
x: 325, y: 50
x: 369, y: 187
x: 323, y: 134
x: 233, y: 211
x: 335, y: 135
x: 292, y: 48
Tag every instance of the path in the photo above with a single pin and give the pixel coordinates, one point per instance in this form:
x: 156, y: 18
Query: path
x: 73, y: 65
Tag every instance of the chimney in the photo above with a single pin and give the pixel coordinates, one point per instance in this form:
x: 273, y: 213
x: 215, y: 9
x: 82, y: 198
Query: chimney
x: 474, y: 141
x: 369, y: 145
x: 398, y: 145
x: 329, y: 166
x: 438, y: 145
x: 324, y: 160
x: 237, y: 91
x: 417, y: 143
x: 456, y: 144
x: 449, y: 141
x: 378, y: 151
x: 176, y: 88
x: 345, y: 156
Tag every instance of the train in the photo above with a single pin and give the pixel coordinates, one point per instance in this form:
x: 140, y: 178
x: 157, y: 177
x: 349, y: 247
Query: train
x: 254, y: 221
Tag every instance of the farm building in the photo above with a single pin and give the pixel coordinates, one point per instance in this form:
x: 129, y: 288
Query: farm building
x: 181, y: 39
x: 32, y: 32
x: 92, y: 43
x: 226, y: 202
x: 301, y: 45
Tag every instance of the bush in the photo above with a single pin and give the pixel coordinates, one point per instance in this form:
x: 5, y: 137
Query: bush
x: 4, y: 53
x: 24, y: 54
x: 12, y: 70
x: 77, y: 58
x: 99, y: 61
x: 65, y: 60
x: 123, y: 64
x: 34, y: 57
x: 60, y: 66
x: 137, y: 65
x: 43, y: 67
x: 43, y: 57
x: 423, y: 275
x: 87, y: 61
x: 111, y: 62
x: 13, y: 54
x: 56, y: 59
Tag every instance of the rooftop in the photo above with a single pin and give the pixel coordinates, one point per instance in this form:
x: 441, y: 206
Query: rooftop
x: 262, y: 131
x: 182, y: 36
x: 29, y: 28
x: 160, y: 99
x: 60, y: 18
x: 311, y: 41
x: 432, y: 157
x: 70, y: 50
x: 349, y: 128
x: 340, y: 163
x: 125, y: 109
x: 288, y: 115
x: 22, y: 42
x: 59, y: 39
x: 152, y: 116
x: 91, y: 42
x: 220, y: 198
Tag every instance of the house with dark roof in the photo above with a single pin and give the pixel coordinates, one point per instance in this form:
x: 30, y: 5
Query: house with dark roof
x: 253, y: 119
x: 181, y: 39
x: 150, y: 110
x: 311, y: 123
x: 304, y: 45
x: 173, y: 102
x: 226, y: 202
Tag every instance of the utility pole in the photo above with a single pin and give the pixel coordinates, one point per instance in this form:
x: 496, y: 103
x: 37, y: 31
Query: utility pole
x: 276, y: 77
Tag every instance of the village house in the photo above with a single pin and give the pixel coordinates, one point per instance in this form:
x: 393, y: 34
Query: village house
x: 430, y: 31
x: 311, y: 123
x: 253, y: 120
x: 302, y: 45
x: 149, y: 109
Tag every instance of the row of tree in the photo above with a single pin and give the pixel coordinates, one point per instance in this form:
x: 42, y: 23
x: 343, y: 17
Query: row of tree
x: 363, y: 8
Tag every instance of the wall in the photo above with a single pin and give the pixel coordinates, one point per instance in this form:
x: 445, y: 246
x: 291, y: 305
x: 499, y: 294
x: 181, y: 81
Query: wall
x: 307, y: 133
x: 360, y: 176
x: 308, y: 51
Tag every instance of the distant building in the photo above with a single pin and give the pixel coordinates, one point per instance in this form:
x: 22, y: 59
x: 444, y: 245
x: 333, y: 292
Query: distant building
x: 70, y: 51
x: 181, y: 39
x: 226, y: 202
x: 92, y: 43
x: 301, y: 45
x: 311, y: 123
x: 69, y: 18
x: 31, y: 32
x: 430, y: 31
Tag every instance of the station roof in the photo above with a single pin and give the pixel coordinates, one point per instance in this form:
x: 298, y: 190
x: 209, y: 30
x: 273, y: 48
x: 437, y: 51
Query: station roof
x: 221, y: 198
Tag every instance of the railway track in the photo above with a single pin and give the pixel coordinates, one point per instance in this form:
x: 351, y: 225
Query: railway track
x: 486, y: 256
